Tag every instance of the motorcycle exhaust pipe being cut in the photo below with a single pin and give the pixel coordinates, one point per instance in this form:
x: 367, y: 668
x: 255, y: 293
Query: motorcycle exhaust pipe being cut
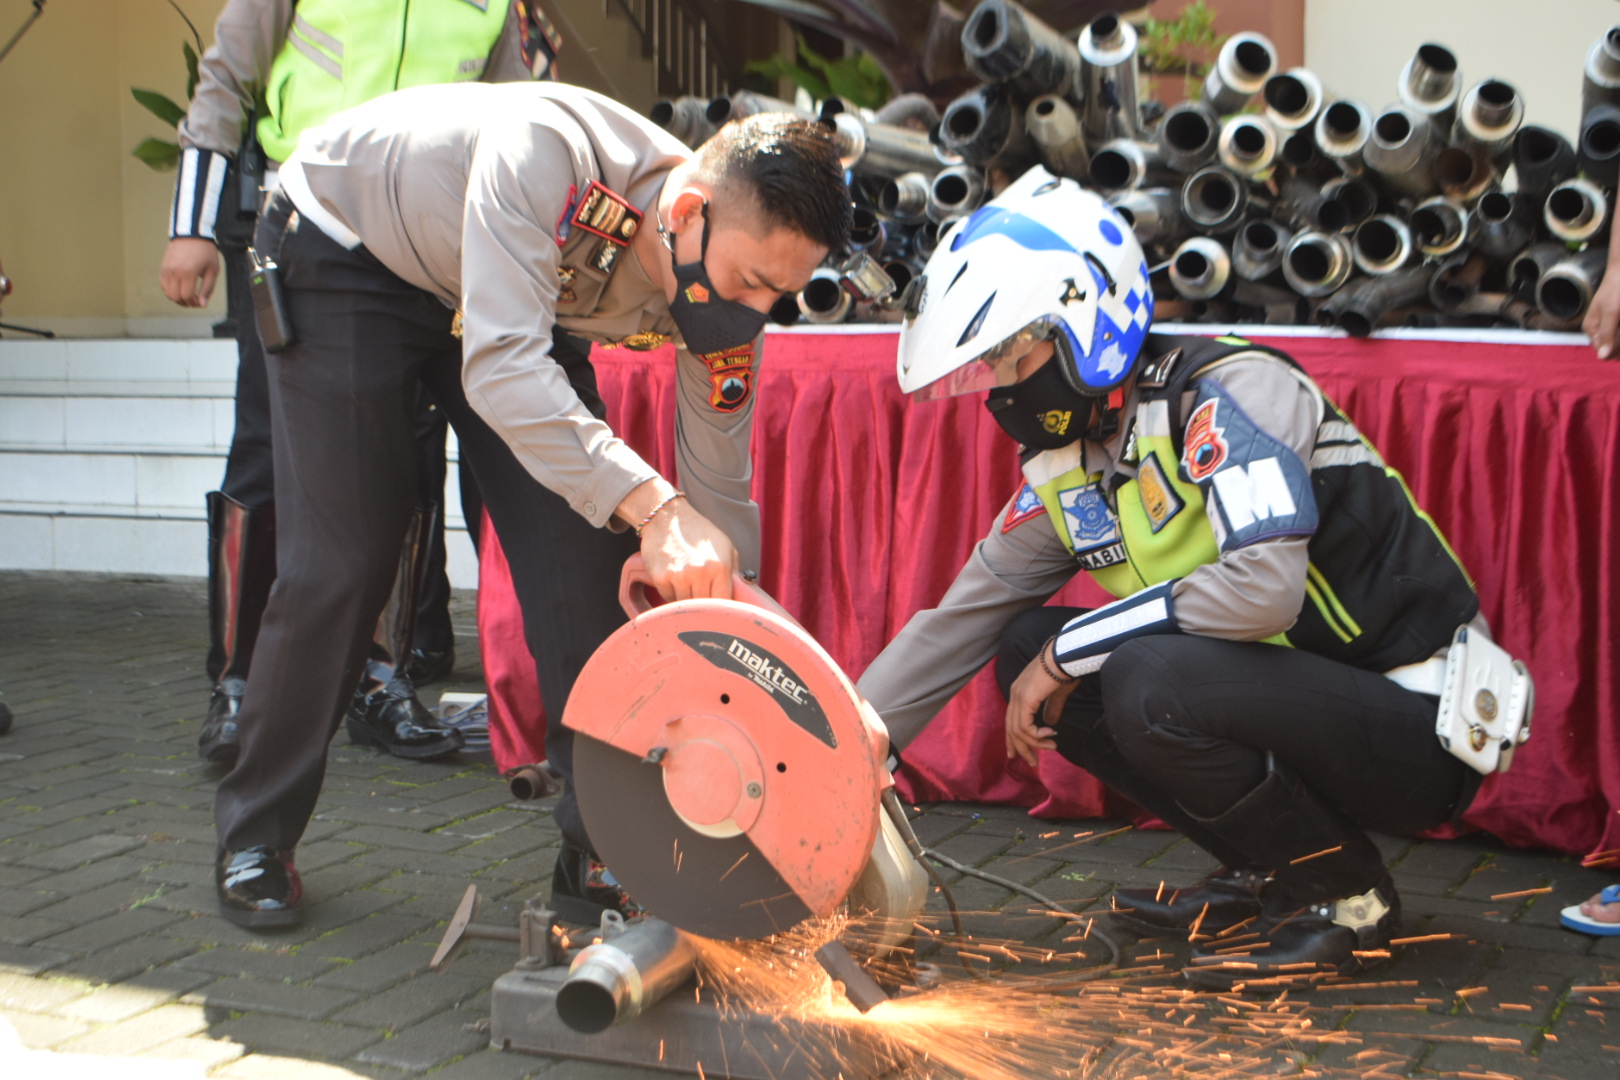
x: 1257, y: 254
x: 1342, y: 132
x: 1248, y: 145
x: 1489, y: 115
x: 1576, y: 211
x: 1599, y: 158
x: 1003, y: 43
x: 1293, y: 99
x: 1542, y: 159
x: 882, y: 150
x: 686, y: 118
x: 955, y: 192
x: 1189, y: 136
x: 1429, y: 84
x: 1439, y: 225
x: 1240, y: 71
x: 1565, y: 291
x: 1154, y: 214
x: 905, y: 198
x: 1053, y: 125
x: 1214, y: 199
x: 625, y: 974
x: 1200, y: 268
x: 1602, y: 72
x: 1382, y: 245
x: 1316, y: 263
x: 1108, y: 75
x: 1402, y: 150
x: 983, y: 128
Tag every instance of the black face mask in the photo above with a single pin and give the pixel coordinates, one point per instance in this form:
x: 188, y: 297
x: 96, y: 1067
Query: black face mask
x: 708, y: 323
x: 1043, y: 411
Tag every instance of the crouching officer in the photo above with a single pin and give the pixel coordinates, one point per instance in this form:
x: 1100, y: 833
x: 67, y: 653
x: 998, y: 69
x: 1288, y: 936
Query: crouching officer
x: 528, y: 219
x: 1264, y: 681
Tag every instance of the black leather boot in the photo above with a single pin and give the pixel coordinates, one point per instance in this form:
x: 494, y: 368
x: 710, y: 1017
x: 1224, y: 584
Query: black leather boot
x: 241, y: 570
x: 258, y: 887
x: 1330, y: 908
x: 1224, y: 899
x: 385, y: 711
x: 582, y: 888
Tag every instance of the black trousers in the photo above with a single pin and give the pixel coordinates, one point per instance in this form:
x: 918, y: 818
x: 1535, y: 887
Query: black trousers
x: 1180, y: 722
x: 346, y: 478
x: 250, y: 464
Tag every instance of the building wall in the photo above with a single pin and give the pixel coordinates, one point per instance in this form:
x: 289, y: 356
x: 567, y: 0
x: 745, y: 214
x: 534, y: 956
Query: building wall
x: 1358, y: 47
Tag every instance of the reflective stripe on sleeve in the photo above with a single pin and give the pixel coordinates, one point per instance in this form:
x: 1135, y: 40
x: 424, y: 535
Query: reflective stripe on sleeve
x: 196, y: 193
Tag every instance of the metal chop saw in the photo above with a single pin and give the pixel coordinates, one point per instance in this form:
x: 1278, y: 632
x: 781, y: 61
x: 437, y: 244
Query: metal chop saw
x: 733, y: 781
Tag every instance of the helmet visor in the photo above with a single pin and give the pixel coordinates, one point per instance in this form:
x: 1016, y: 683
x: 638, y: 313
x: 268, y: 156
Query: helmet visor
x: 997, y: 366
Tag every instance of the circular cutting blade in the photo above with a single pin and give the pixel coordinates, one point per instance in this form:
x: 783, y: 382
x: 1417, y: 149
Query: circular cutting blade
x: 719, y: 888
x: 725, y: 768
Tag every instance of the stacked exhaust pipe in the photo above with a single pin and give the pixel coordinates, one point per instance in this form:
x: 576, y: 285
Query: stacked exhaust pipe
x: 1266, y: 197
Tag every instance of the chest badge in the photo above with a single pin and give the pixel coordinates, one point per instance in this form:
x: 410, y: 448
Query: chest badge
x: 731, y: 377
x: 565, y: 284
x: 1093, y: 529
x: 1159, y: 500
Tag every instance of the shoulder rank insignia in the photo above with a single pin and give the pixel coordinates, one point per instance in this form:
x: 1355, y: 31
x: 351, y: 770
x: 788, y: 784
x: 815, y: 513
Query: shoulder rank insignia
x: 731, y: 377
x: 607, y: 214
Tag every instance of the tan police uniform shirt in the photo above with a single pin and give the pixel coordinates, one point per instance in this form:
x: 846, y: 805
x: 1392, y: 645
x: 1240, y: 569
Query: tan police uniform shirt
x: 471, y: 192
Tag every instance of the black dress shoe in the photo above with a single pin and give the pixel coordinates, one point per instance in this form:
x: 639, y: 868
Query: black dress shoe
x: 1221, y: 901
x: 425, y: 665
x: 1300, y: 948
x: 220, y: 739
x: 582, y: 888
x: 392, y: 719
x: 258, y: 887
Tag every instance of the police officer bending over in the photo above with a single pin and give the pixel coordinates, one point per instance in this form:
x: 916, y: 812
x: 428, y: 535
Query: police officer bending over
x: 523, y: 217
x: 1276, y: 586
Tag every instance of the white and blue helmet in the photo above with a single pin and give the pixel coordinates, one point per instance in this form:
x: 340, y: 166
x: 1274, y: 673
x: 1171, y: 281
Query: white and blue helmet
x: 1045, y: 259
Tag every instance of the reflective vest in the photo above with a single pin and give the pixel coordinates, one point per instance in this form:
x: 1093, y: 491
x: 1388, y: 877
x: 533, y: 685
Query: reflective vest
x: 340, y: 53
x: 1383, y: 587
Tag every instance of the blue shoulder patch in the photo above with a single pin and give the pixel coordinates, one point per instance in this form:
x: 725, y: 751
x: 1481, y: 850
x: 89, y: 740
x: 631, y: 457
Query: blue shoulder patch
x: 1259, y: 487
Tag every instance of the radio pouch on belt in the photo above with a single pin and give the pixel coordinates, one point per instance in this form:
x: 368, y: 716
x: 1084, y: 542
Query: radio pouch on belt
x: 269, y: 303
x: 1485, y: 704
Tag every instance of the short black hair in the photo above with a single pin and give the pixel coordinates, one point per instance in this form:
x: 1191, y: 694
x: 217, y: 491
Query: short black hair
x: 788, y: 168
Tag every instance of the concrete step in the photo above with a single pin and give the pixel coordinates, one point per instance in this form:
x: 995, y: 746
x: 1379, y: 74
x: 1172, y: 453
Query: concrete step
x: 108, y: 449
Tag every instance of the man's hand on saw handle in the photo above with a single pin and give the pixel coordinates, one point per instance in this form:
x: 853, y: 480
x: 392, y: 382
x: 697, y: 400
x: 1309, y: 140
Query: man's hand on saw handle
x: 686, y: 554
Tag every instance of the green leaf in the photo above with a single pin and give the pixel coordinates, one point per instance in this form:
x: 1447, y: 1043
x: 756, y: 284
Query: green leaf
x: 159, y: 106
x: 158, y: 154
x: 191, y: 69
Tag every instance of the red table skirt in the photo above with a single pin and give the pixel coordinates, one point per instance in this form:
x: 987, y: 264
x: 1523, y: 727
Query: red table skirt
x: 871, y: 503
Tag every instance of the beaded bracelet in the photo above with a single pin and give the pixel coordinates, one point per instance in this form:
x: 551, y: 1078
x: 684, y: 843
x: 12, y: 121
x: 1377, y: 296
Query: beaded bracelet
x: 646, y: 521
x: 1058, y: 676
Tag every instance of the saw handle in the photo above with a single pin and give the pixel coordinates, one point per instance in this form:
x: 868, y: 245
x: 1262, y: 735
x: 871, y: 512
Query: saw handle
x: 635, y: 584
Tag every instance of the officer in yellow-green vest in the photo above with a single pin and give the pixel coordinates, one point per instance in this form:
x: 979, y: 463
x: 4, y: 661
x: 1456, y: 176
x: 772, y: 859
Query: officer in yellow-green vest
x: 292, y: 65
x: 1266, y: 679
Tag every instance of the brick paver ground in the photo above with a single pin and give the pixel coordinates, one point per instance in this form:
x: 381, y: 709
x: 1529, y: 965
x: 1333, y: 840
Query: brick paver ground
x: 110, y: 942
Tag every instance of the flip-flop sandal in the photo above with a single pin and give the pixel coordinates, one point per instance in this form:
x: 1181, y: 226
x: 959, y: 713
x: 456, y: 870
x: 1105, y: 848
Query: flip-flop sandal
x: 1575, y: 920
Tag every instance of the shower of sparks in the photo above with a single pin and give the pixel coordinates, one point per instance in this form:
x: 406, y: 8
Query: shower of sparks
x: 1033, y: 1010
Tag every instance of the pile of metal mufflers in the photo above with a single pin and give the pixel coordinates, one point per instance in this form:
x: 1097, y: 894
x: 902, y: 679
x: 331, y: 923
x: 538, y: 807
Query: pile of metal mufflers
x: 1267, y: 200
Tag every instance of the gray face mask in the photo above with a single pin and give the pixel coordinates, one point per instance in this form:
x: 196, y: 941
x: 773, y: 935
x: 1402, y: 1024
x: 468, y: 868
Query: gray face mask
x: 708, y: 323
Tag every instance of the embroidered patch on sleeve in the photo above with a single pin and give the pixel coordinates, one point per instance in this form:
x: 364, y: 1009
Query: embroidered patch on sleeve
x: 1257, y: 487
x: 731, y: 377
x: 1024, y: 506
x: 1093, y: 528
x: 1205, y: 447
x: 1159, y: 500
x: 607, y: 214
